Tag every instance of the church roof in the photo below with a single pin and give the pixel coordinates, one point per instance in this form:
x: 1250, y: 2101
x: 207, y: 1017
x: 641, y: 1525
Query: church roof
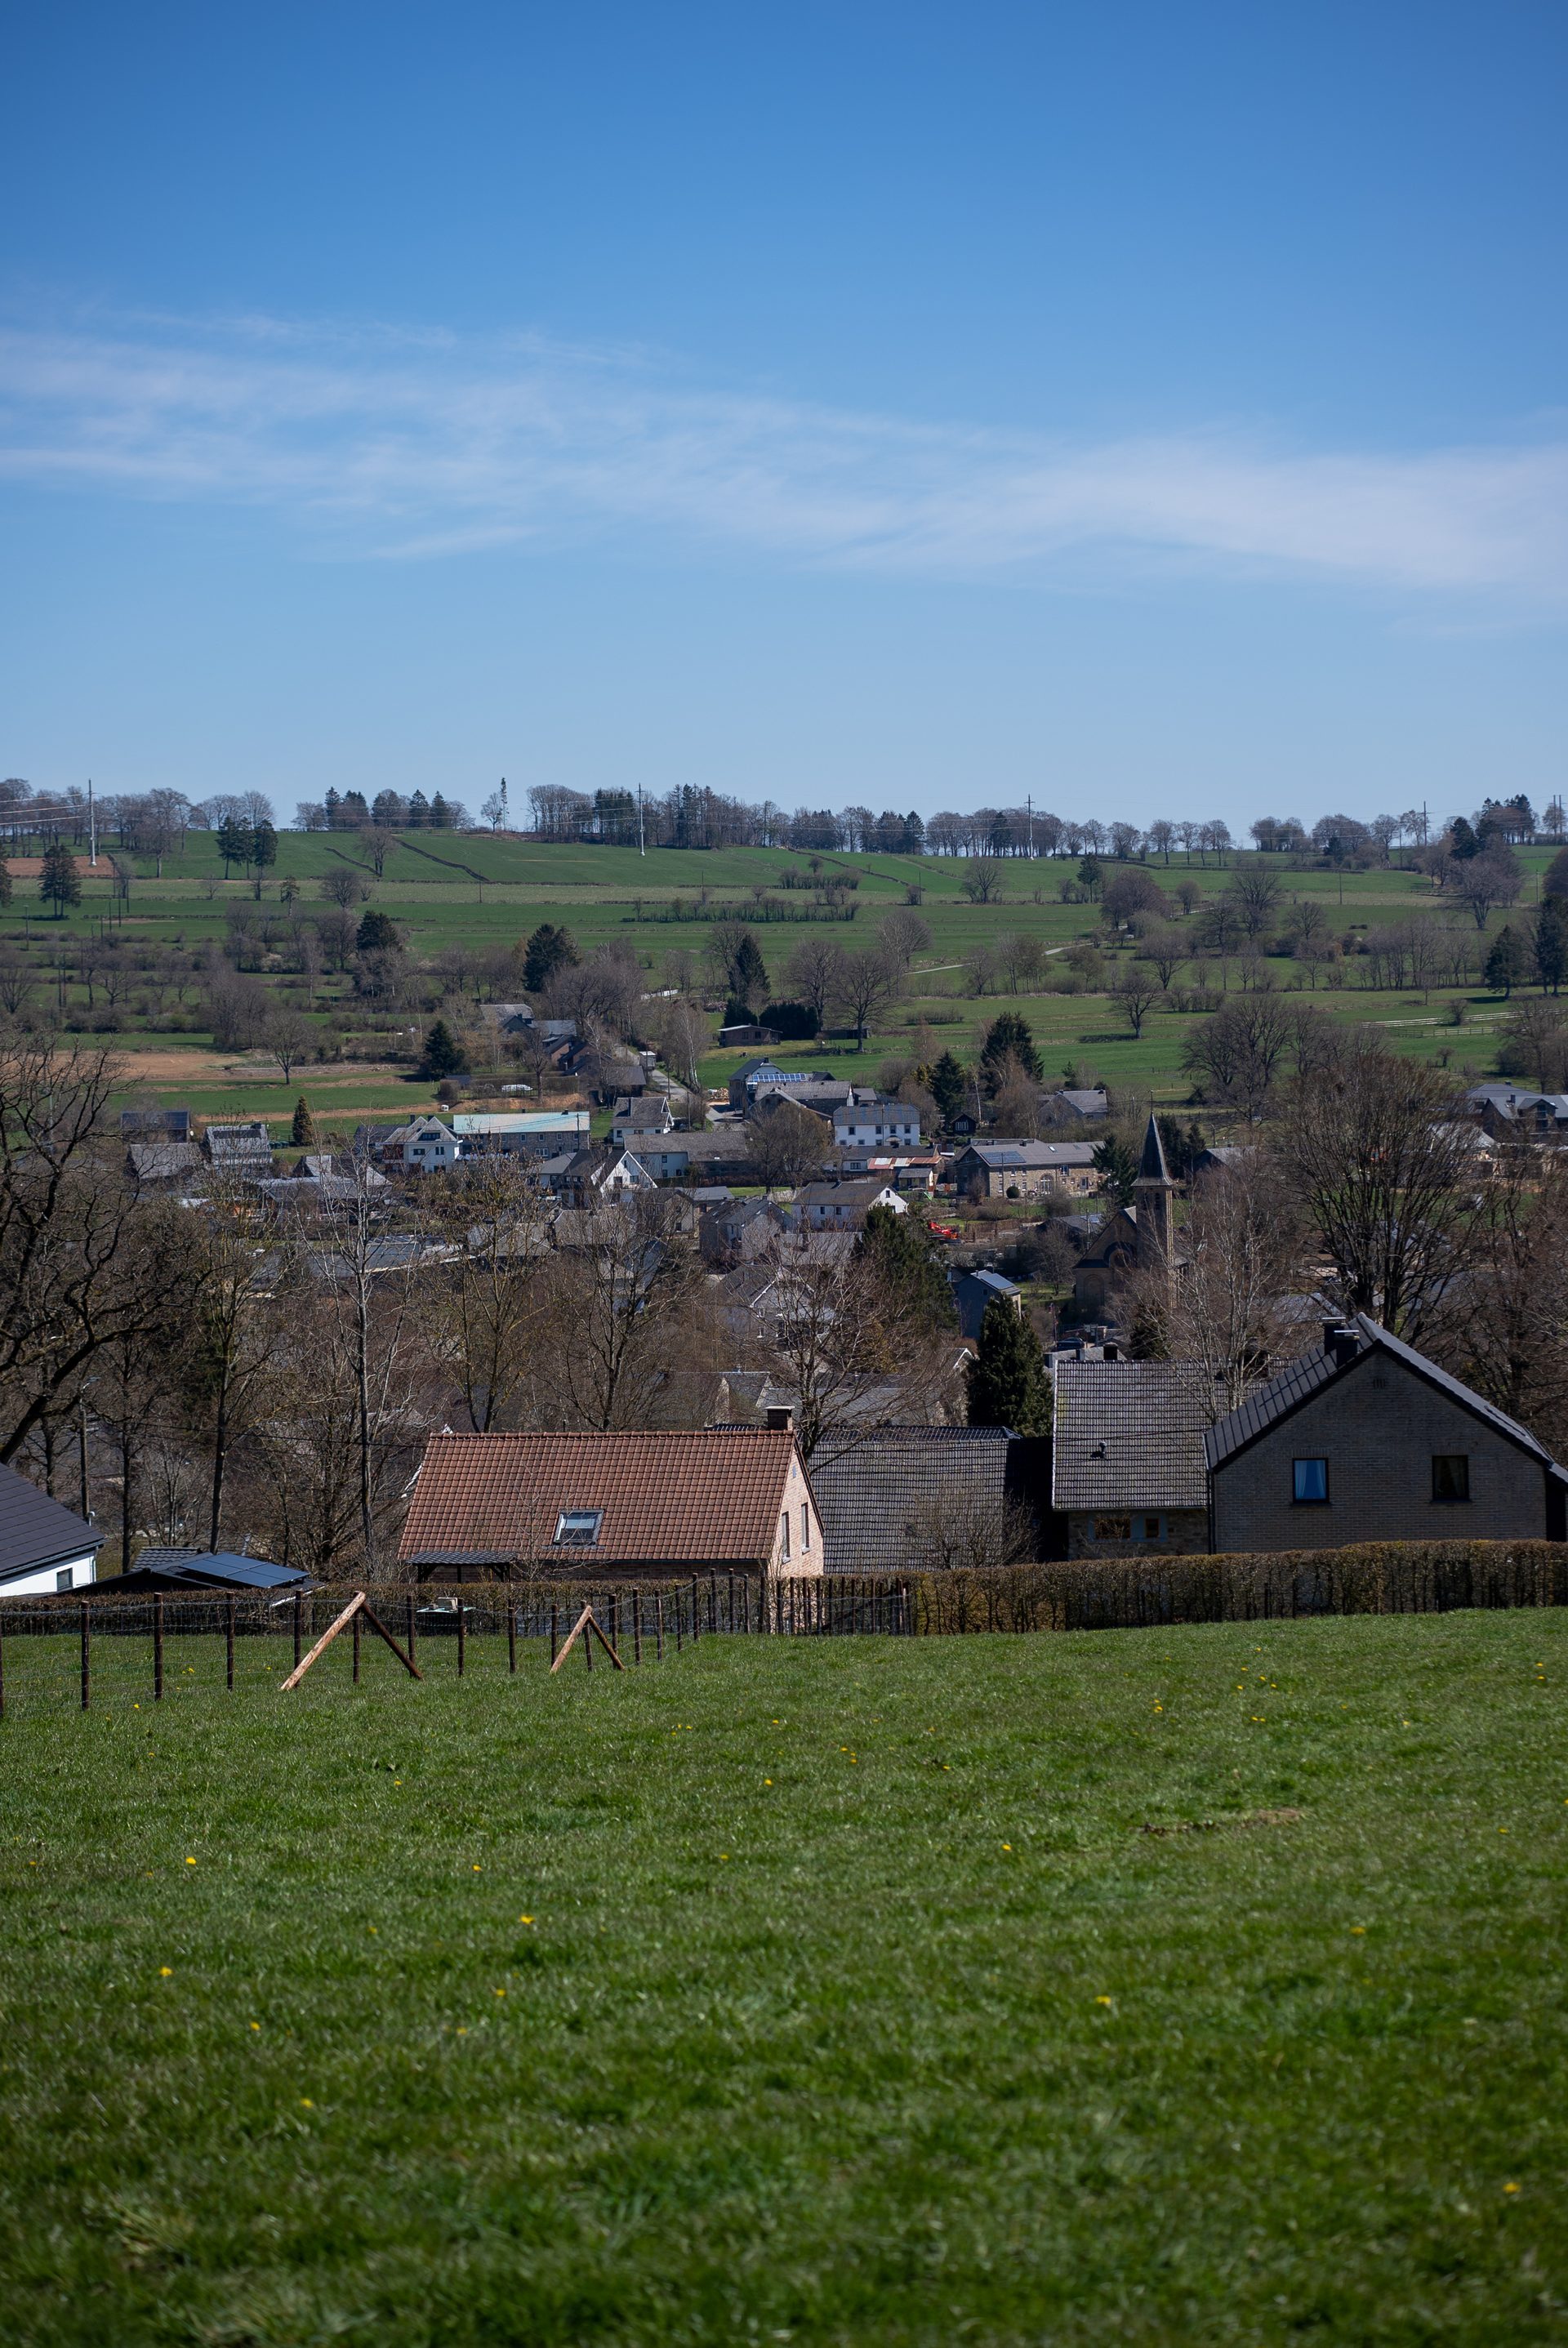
x: 1151, y: 1166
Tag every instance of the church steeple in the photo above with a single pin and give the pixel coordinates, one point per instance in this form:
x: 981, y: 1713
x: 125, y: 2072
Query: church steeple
x: 1152, y: 1193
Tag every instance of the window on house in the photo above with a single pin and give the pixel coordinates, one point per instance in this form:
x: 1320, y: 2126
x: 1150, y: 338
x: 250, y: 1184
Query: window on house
x: 805, y: 1526
x: 1311, y: 1479
x: 1450, y: 1476
x: 578, y: 1527
x: 784, y: 1534
x: 64, y: 1578
x: 1148, y: 1529
x: 1114, y: 1528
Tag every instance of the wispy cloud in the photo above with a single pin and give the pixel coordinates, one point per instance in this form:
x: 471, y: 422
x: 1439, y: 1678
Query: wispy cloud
x: 414, y: 444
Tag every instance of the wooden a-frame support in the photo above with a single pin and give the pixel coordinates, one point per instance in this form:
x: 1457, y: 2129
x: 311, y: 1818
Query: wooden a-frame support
x: 586, y: 1624
x: 357, y: 1604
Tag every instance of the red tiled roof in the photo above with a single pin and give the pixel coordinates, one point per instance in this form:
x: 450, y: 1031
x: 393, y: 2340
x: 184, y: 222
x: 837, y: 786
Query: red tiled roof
x: 710, y: 1496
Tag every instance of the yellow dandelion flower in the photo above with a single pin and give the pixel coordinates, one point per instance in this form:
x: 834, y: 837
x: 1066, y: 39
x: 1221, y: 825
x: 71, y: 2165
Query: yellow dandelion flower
x: 305, y: 2104
x: 1358, y: 1928
x: 1510, y: 2188
x: 525, y: 1919
x: 1102, y: 2000
x: 189, y: 1862
x: 164, y: 1971
x: 255, y: 2025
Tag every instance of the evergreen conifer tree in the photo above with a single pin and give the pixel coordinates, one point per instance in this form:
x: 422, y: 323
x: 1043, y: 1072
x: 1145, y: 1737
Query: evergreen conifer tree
x: 1551, y: 943
x: 550, y: 949
x: 1117, y: 1166
x: 1009, y: 1033
x: 58, y: 883
x: 901, y: 1251
x: 1009, y: 1384
x: 949, y: 1087
x: 444, y: 1056
x: 748, y: 973
x: 5, y: 883
x: 302, y: 1133
x: 1507, y: 964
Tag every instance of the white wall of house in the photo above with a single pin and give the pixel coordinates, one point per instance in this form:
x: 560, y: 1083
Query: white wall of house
x: 65, y: 1573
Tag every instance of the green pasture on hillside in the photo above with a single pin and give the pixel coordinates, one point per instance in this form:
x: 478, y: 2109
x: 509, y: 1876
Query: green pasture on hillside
x: 509, y: 886
x: 1202, y: 1984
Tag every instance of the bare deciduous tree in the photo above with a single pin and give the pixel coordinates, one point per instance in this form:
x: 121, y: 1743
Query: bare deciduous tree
x: 84, y: 1264
x: 1381, y: 1163
x: 1227, y: 1306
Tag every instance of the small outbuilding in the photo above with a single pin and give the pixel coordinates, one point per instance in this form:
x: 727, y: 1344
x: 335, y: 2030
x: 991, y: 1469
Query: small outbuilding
x: 213, y: 1570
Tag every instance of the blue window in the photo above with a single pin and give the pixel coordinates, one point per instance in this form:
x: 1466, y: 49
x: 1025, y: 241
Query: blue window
x: 1311, y: 1479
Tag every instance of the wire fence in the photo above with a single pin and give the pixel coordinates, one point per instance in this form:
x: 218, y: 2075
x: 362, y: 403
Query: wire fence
x: 99, y: 1649
x: 169, y: 1647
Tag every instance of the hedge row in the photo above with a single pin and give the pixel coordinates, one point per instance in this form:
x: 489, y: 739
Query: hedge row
x: 1130, y: 1593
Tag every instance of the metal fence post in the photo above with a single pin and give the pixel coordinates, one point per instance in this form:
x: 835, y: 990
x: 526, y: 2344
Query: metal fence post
x: 158, y: 1645
x: 231, y: 1632
x: 413, y: 1612
x: 87, y: 1653
x: 298, y: 1630
x: 636, y: 1626
x: 462, y: 1637
x: 511, y: 1635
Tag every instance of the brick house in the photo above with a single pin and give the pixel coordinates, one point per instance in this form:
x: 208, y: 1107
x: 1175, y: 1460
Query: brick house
x: 594, y: 1507
x: 1368, y: 1440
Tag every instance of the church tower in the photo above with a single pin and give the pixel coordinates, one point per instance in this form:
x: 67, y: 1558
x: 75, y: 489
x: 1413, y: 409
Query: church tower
x: 1152, y: 1194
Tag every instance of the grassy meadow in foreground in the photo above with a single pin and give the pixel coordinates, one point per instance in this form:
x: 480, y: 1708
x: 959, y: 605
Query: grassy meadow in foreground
x: 821, y: 1992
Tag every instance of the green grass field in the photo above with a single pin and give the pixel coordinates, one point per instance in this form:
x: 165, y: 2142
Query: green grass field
x: 450, y: 890
x: 810, y: 1992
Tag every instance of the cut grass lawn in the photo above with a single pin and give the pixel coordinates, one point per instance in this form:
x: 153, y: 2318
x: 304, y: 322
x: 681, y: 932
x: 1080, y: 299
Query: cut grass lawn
x: 827, y: 1992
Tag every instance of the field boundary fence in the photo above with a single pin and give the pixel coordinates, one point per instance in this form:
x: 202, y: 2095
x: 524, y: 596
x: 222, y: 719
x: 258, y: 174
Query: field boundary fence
x: 96, y: 1646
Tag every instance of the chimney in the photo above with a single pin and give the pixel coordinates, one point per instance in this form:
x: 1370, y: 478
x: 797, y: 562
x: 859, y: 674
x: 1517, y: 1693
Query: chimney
x: 781, y: 1417
x: 1342, y: 1345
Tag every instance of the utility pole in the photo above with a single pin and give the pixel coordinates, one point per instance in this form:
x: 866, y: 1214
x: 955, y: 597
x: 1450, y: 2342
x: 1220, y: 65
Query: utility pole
x: 642, y: 840
x: 92, y: 826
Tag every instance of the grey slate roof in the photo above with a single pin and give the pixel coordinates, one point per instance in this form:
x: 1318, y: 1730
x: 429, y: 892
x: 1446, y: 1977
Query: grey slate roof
x: 869, y: 1497
x: 1130, y: 1434
x: 1281, y: 1396
x: 1151, y: 1166
x: 1007, y: 1157
x: 36, y: 1530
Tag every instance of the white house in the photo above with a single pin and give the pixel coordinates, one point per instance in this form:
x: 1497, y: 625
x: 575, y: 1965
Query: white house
x: 843, y: 1206
x: 43, y: 1548
x: 423, y: 1146
x: 871, y: 1121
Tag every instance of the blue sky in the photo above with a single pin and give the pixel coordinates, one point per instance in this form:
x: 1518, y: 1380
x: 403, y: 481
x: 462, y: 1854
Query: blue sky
x: 1158, y: 410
